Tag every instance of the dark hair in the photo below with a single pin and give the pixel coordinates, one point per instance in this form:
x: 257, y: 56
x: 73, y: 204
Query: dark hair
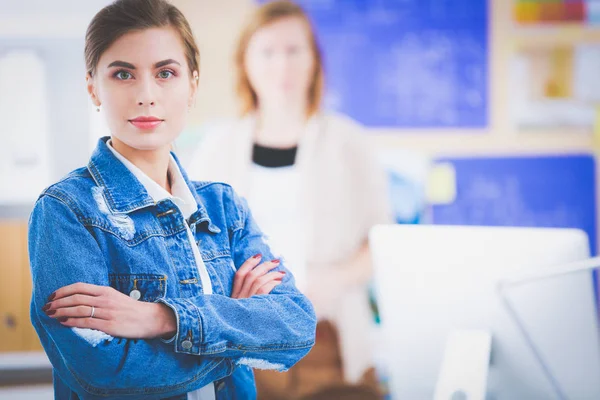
x: 123, y: 16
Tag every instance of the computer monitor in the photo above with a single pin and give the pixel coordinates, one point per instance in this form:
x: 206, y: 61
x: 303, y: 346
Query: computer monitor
x: 556, y: 310
x: 434, y: 281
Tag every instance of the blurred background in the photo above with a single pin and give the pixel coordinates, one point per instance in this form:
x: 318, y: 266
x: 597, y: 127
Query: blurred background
x: 482, y: 113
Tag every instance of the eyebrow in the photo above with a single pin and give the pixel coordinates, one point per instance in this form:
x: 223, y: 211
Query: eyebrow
x: 165, y: 62
x: 121, y: 64
x: 159, y: 64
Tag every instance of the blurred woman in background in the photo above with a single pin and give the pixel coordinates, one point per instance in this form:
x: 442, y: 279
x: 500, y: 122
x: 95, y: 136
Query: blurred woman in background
x: 314, y: 186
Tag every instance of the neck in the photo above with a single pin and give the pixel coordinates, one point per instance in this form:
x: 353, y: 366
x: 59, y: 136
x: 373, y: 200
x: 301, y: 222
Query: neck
x: 154, y: 163
x: 280, y: 126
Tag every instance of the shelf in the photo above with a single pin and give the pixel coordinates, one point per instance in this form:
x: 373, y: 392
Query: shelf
x: 24, y: 360
x: 554, y: 34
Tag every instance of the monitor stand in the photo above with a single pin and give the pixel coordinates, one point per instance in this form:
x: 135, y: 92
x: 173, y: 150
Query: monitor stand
x: 465, y: 366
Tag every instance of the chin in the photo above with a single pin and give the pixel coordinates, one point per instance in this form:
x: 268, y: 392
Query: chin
x: 148, y: 141
x: 286, y: 97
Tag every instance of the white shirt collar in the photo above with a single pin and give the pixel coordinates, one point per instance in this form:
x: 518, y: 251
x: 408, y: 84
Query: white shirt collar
x: 182, y: 195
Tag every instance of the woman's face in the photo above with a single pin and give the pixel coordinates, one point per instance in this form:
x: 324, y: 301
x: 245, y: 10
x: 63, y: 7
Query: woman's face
x: 144, y: 87
x: 280, y: 62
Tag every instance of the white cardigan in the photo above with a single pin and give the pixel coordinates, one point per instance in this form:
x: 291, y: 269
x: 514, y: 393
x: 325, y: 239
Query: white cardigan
x: 344, y: 195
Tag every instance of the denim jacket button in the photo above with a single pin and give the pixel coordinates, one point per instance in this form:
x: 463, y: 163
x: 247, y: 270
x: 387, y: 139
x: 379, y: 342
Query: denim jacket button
x: 135, y: 294
x: 221, y: 385
x: 186, y: 344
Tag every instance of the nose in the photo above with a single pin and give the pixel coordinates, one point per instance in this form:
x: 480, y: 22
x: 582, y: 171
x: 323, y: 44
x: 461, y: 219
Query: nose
x: 146, y: 95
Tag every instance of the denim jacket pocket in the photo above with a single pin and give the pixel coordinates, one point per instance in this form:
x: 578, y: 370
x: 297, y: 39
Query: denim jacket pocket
x: 143, y: 287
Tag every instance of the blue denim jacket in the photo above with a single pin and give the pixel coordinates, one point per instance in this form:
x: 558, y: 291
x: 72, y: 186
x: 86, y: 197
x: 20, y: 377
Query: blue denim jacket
x: 98, y: 225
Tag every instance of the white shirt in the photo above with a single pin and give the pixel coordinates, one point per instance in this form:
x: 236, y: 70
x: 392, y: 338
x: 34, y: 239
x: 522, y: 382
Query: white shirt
x: 275, y: 200
x: 185, y: 201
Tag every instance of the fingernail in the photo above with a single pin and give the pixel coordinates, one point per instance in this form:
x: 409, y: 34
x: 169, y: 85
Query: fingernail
x: 62, y: 319
x: 283, y: 272
x: 275, y: 261
x: 52, y: 296
x: 257, y: 256
x: 51, y: 312
x: 46, y: 307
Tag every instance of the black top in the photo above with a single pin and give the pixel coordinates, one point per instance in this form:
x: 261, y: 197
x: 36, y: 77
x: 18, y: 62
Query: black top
x: 272, y: 157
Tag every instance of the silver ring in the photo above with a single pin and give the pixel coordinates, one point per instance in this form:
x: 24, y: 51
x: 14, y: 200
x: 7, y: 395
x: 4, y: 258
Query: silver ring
x: 93, y: 311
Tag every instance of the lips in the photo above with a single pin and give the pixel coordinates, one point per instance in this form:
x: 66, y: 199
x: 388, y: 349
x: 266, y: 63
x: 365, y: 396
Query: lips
x: 146, y: 122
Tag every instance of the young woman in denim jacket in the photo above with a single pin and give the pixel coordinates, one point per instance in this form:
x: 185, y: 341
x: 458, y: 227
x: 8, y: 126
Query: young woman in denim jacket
x: 147, y: 285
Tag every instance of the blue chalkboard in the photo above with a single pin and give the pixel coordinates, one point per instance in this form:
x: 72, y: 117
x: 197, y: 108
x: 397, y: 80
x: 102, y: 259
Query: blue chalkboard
x: 549, y: 191
x: 405, y: 63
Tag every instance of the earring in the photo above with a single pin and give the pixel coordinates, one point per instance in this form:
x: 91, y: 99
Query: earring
x: 98, y: 109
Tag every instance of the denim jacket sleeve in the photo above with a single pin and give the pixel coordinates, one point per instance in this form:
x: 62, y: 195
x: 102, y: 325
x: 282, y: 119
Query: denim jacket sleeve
x: 62, y: 252
x: 272, y: 331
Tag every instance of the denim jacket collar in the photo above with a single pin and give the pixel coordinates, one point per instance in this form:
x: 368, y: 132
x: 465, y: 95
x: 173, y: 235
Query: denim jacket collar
x: 124, y: 193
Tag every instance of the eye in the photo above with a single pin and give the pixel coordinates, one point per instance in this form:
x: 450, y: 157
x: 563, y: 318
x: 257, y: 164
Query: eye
x: 123, y: 75
x: 165, y: 74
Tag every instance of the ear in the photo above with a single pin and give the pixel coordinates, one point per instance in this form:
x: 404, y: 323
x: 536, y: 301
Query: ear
x: 92, y: 91
x: 194, y: 89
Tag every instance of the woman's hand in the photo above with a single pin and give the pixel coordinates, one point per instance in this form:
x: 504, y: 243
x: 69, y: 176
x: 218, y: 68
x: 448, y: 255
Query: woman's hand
x: 119, y: 315
x: 115, y: 314
x: 252, y: 278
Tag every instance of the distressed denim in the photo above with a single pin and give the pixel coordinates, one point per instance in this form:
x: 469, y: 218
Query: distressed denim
x: 98, y: 225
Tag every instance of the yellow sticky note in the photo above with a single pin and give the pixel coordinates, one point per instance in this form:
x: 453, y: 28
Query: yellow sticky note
x: 441, y: 184
x: 560, y: 82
